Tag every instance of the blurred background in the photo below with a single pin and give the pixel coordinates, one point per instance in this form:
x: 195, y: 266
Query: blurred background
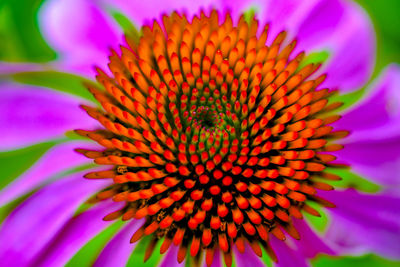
x: 385, y: 17
x: 21, y: 41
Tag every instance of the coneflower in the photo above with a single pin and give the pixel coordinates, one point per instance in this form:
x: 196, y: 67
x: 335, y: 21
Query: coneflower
x: 214, y: 137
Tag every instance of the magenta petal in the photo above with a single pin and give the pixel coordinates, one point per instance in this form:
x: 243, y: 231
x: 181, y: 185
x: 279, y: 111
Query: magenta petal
x: 286, y: 15
x: 287, y: 253
x: 81, y: 32
x: 117, y: 252
x: 379, y: 161
x: 58, y: 159
x: 293, y: 252
x: 248, y: 258
x: 33, y: 223
x: 170, y: 260
x: 373, y: 220
x: 32, y: 115
x: 373, y: 148
x: 7, y: 68
x: 319, y: 23
x: 75, y: 234
x: 311, y: 22
x: 310, y: 244
x: 236, y: 8
x: 143, y: 12
x: 377, y: 115
x: 353, y: 44
x: 341, y: 27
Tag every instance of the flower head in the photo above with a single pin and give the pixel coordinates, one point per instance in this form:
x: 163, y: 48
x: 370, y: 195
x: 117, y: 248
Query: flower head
x: 215, y: 138
x: 217, y: 135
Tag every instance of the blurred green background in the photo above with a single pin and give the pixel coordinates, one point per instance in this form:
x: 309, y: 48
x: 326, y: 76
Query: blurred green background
x: 21, y: 41
x: 386, y: 19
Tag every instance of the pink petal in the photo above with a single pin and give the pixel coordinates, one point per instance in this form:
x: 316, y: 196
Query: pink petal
x: 248, y: 258
x: 373, y: 148
x: 58, y: 159
x: 293, y: 252
x: 7, y: 68
x: 287, y: 253
x: 377, y: 115
x: 310, y: 244
x: 378, y: 161
x: 117, y: 252
x: 32, y: 224
x: 143, y: 12
x: 354, y: 46
x: 341, y: 27
x: 236, y: 9
x: 75, y: 234
x: 286, y: 15
x: 32, y: 114
x: 81, y: 32
x: 319, y: 22
x: 373, y: 220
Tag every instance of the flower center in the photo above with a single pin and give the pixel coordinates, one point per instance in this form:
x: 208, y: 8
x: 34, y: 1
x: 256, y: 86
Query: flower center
x: 214, y: 137
x: 204, y: 118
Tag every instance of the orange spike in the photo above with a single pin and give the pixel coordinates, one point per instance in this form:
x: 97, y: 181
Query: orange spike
x: 228, y: 258
x: 150, y: 249
x: 278, y: 233
x: 178, y: 236
x: 223, y: 242
x: 181, y: 253
x: 165, y: 245
x: 240, y: 244
x: 137, y: 235
x: 194, y: 248
x: 256, y: 248
x: 209, y: 256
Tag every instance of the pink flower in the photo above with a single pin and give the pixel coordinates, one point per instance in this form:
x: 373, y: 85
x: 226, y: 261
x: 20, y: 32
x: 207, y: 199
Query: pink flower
x: 44, y: 230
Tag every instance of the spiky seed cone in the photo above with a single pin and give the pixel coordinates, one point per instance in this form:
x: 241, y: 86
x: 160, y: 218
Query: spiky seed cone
x: 214, y: 137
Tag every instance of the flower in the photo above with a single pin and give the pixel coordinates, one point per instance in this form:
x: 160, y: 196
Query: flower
x: 44, y: 230
x: 213, y: 137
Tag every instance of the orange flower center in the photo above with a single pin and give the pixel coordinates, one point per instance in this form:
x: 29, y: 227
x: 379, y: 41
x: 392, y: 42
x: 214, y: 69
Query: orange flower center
x: 214, y: 137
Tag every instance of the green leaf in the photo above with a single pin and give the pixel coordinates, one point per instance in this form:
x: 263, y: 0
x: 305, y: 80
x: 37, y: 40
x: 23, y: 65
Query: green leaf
x: 318, y: 223
x: 249, y: 14
x: 386, y: 19
x: 347, y: 99
x: 63, y: 82
x: 72, y: 135
x: 10, y: 49
x: 14, y: 163
x: 266, y: 258
x: 83, y: 207
x: 352, y: 180
x: 20, y: 34
x: 126, y: 24
x: 315, y: 57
